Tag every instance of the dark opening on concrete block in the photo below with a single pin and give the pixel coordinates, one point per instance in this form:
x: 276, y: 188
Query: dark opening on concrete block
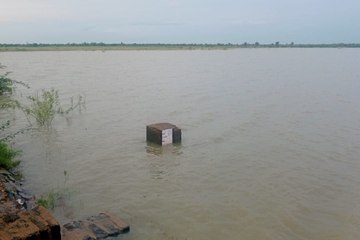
x: 163, y: 133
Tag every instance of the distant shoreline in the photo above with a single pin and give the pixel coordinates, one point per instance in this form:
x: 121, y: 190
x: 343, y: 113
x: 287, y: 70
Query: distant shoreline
x: 134, y: 46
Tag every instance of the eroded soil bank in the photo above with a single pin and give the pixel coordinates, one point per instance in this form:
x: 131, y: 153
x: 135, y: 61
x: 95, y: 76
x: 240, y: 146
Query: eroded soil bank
x: 22, y: 219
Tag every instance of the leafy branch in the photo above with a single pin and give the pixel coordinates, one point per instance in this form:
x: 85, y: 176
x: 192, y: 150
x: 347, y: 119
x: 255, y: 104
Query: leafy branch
x: 7, y: 85
x: 44, y: 107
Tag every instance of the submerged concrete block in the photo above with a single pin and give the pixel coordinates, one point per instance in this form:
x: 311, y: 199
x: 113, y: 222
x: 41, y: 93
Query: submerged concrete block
x: 163, y: 133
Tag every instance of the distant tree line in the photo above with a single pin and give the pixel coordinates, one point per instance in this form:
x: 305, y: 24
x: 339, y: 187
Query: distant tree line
x: 5, y: 46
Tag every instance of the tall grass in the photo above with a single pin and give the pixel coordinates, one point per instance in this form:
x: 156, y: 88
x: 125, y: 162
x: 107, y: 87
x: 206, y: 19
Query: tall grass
x: 56, y: 197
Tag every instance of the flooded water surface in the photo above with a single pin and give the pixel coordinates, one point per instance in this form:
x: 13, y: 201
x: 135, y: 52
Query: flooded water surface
x: 270, y: 144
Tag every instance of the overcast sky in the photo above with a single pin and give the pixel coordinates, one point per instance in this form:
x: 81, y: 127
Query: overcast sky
x: 179, y: 21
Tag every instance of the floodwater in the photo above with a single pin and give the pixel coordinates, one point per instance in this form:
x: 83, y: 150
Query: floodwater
x: 270, y: 140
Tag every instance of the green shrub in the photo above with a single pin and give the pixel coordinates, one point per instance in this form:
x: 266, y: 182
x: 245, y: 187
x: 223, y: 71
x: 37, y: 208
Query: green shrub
x: 6, y: 84
x: 43, y: 107
x: 7, y: 155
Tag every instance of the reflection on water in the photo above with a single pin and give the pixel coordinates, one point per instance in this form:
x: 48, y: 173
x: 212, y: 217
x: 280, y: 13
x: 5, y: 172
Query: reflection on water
x: 158, y: 150
x: 270, y: 146
x: 159, y: 167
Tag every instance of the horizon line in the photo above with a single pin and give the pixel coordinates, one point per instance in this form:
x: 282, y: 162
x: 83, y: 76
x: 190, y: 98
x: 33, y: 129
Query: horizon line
x: 160, y: 43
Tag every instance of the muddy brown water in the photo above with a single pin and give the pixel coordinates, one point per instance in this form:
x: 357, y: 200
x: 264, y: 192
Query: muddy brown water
x: 270, y: 140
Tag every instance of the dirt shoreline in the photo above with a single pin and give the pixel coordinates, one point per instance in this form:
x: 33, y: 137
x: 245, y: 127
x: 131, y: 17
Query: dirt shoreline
x: 22, y: 219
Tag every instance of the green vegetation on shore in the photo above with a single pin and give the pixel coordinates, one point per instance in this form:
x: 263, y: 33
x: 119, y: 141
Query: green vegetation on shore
x: 49, y: 199
x: 159, y: 46
x: 7, y: 154
x: 56, y: 196
x: 39, y: 109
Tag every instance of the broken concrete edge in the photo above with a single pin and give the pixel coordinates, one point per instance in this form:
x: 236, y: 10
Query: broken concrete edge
x: 101, y: 226
x: 125, y: 228
x: 154, y: 133
x: 37, y: 223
